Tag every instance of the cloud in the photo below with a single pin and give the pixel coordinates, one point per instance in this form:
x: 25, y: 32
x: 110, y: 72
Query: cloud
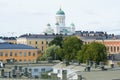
x: 41, y: 13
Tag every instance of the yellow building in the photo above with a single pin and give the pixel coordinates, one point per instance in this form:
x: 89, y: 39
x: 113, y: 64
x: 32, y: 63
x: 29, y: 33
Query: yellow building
x: 39, y: 41
x: 18, y: 53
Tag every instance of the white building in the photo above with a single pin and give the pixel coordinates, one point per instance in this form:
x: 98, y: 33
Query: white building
x: 38, y: 70
x: 70, y: 70
x: 60, y: 27
x: 80, y: 72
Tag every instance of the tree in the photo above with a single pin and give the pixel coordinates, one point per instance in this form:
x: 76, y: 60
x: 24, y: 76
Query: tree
x: 70, y: 46
x: 94, y: 51
x: 56, y: 41
x: 50, y: 52
x: 81, y: 53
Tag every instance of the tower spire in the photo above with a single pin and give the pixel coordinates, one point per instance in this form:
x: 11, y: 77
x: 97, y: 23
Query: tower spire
x: 60, y: 7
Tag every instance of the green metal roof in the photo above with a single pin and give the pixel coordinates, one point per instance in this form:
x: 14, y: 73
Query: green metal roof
x: 60, y: 12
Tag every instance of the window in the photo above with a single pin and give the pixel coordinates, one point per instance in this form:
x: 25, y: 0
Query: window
x: 111, y: 49
x: 35, y: 70
x: 107, y: 48
x: 20, y: 53
x: 46, y: 42
x: 42, y: 42
x: 10, y: 53
x: 114, y: 49
x: 58, y: 71
x: 30, y: 69
x: 35, y: 42
x: 33, y: 54
x: 42, y: 48
x: 43, y: 70
x: 1, y: 54
x: 24, y: 54
x: 29, y: 53
x: 117, y: 48
x: 6, y: 54
x: 15, y: 54
x: 20, y: 60
x: 85, y: 42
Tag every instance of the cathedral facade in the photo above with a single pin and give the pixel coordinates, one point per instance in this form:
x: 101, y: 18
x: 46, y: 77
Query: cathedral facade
x: 60, y: 27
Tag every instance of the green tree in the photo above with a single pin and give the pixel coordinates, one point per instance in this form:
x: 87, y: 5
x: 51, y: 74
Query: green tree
x: 70, y: 46
x: 56, y: 41
x: 50, y: 52
x: 94, y: 51
x: 81, y: 55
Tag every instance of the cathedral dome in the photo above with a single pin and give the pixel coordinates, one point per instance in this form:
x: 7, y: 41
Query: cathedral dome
x: 60, y: 12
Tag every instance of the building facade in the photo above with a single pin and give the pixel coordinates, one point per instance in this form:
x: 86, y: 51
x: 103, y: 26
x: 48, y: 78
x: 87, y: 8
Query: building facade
x: 20, y: 53
x: 39, y: 41
x: 112, y: 45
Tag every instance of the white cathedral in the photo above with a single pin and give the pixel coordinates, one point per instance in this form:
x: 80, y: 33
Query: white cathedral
x: 60, y: 27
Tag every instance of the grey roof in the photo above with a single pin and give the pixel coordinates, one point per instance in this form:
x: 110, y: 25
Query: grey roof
x: 93, y: 38
x: 15, y: 46
x: 44, y: 36
x: 8, y: 38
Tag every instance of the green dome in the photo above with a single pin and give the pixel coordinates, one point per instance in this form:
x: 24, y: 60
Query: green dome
x: 60, y: 12
x: 48, y: 24
x: 57, y: 24
x: 72, y: 25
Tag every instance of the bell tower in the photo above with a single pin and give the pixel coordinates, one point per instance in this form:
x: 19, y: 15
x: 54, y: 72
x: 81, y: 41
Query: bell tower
x: 60, y: 18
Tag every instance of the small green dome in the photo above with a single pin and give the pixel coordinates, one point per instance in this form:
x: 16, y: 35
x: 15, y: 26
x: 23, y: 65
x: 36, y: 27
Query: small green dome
x: 60, y: 12
x: 57, y: 24
x: 48, y: 24
x: 72, y: 25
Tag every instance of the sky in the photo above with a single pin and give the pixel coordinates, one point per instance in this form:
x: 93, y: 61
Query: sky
x: 19, y: 17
